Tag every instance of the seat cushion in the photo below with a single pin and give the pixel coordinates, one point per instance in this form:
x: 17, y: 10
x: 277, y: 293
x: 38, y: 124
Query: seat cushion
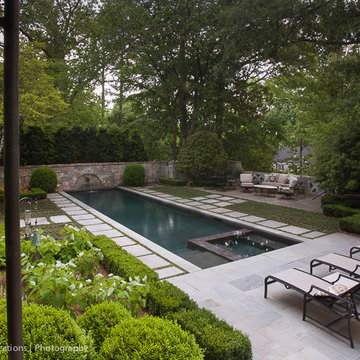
x: 246, y: 178
x: 283, y: 178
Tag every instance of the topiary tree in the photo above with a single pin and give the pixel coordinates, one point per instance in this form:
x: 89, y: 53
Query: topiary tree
x: 134, y: 175
x: 201, y: 156
x: 101, y: 318
x: 149, y: 338
x: 48, y: 333
x: 44, y: 178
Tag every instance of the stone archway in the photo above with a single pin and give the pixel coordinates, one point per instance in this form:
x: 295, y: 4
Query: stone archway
x: 88, y: 182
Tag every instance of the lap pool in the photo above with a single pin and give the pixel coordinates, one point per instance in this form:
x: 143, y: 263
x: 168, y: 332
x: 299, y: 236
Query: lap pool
x: 169, y: 227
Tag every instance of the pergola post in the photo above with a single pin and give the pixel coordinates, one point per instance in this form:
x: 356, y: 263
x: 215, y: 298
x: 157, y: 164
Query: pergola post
x: 11, y: 175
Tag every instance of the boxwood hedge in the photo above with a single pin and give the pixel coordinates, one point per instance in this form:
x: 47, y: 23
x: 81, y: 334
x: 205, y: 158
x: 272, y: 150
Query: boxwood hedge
x: 173, y: 182
x: 350, y: 224
x: 219, y: 340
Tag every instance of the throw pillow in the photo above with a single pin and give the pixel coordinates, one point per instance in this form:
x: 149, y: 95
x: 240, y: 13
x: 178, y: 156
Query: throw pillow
x: 283, y: 178
x: 266, y: 177
x: 336, y: 289
x: 246, y: 178
x: 292, y: 183
x: 271, y: 178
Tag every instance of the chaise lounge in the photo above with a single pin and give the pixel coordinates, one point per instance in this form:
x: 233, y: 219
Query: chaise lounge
x: 335, y: 293
x: 337, y: 261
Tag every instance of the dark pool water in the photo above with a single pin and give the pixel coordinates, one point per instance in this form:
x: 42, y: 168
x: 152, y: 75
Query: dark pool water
x: 164, y: 225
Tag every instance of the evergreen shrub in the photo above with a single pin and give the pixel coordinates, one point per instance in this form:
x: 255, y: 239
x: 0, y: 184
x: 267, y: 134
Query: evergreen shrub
x: 350, y: 224
x: 173, y: 182
x: 134, y: 175
x: 165, y: 297
x: 50, y: 334
x: 44, y: 178
x: 119, y: 262
x: 99, y: 319
x: 219, y: 340
x: 330, y: 199
x: 339, y: 210
x: 35, y: 193
x: 149, y: 338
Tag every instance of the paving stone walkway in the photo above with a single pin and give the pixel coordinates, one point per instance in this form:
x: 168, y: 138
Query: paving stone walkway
x: 98, y: 226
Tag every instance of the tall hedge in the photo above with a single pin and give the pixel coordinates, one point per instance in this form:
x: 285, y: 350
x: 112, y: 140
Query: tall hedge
x: 78, y: 145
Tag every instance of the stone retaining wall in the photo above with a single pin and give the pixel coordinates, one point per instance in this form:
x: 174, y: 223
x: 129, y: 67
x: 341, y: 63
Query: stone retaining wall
x: 109, y: 175
x: 92, y: 175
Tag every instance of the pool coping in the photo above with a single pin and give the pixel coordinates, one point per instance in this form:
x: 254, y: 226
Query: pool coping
x: 168, y: 255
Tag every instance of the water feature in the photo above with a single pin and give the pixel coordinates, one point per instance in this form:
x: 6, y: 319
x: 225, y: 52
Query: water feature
x: 166, y: 226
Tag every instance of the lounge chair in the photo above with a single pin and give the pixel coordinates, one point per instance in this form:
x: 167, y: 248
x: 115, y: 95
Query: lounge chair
x: 336, y: 296
x: 337, y: 261
x: 246, y: 182
x: 354, y: 250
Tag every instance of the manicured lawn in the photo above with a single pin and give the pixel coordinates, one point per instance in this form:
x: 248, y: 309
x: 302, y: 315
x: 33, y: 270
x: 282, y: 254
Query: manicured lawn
x: 296, y: 217
x: 180, y: 191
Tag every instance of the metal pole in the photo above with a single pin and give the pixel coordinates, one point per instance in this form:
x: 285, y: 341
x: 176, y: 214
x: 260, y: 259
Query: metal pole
x: 11, y: 175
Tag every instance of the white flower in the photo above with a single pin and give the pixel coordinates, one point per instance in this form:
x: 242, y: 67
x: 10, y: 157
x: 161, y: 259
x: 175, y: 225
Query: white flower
x: 33, y: 283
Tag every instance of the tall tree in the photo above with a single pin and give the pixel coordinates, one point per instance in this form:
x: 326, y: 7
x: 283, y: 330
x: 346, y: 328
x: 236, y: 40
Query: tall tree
x: 40, y: 104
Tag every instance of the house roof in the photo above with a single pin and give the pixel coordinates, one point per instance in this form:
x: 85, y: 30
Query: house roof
x: 286, y: 153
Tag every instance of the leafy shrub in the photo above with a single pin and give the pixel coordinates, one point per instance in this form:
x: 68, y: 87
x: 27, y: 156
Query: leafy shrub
x: 44, y: 178
x: 330, y: 199
x: 205, y: 183
x: 350, y: 224
x: 99, y: 319
x: 72, y: 284
x: 50, y: 334
x: 35, y: 193
x: 336, y: 164
x: 201, y: 156
x: 2, y: 247
x: 164, y: 297
x: 219, y: 340
x: 134, y: 175
x: 352, y: 201
x: 339, y: 210
x: 173, y: 182
x: 120, y: 262
x: 149, y: 338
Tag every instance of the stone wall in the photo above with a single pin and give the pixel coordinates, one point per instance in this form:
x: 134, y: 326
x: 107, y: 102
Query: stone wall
x: 94, y: 175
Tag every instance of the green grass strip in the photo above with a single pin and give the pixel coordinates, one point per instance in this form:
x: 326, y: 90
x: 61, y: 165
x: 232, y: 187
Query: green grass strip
x: 302, y: 218
x: 180, y: 191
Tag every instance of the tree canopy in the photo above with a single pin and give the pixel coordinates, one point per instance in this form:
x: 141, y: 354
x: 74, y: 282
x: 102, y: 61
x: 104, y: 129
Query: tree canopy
x: 257, y: 74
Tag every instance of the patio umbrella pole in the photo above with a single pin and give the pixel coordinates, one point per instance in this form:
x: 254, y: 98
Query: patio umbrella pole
x: 11, y: 178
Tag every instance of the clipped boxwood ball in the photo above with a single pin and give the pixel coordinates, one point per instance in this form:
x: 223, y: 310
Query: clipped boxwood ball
x: 134, y: 175
x: 99, y: 319
x: 44, y: 178
x: 150, y: 338
x: 49, y: 333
